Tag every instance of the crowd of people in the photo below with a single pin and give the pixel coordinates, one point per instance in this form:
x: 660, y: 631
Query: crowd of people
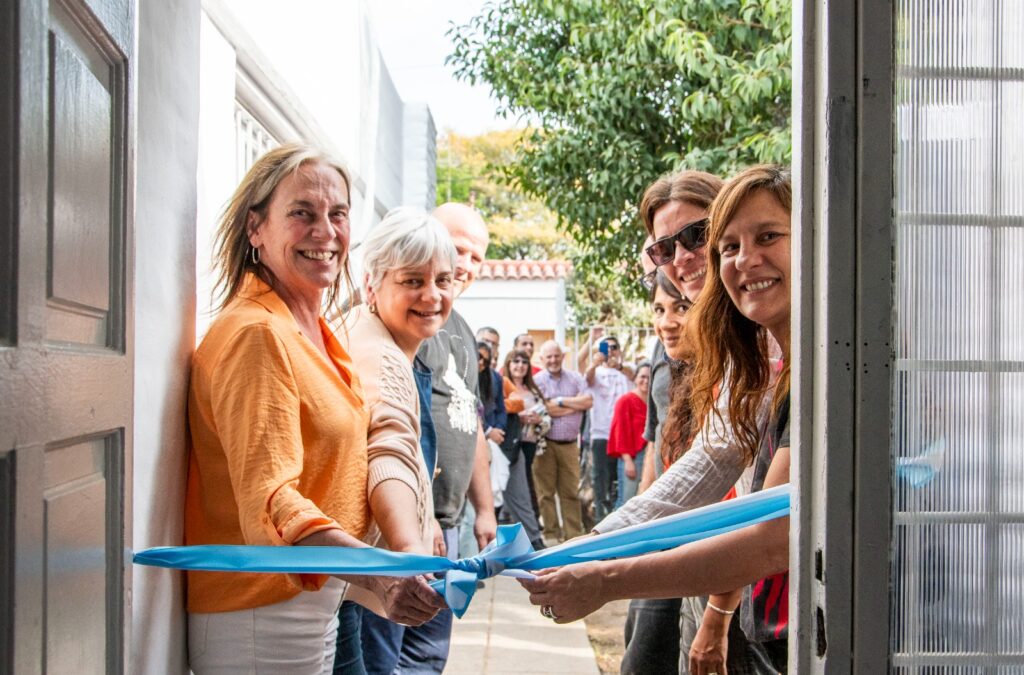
x: 323, y: 412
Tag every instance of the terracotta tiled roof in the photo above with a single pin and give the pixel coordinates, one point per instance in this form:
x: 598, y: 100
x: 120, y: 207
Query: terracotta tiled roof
x: 525, y: 269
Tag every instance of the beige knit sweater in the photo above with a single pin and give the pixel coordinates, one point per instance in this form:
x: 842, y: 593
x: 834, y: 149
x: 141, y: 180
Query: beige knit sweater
x: 393, y: 439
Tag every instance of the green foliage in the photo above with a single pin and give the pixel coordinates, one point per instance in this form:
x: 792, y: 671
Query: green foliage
x: 598, y: 297
x: 472, y: 170
x: 623, y: 91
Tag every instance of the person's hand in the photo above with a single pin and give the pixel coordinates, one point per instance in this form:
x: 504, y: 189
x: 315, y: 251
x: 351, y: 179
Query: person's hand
x: 710, y: 647
x: 439, y: 546
x: 596, y: 333
x: 571, y: 592
x: 409, y: 601
x: 629, y: 467
x: 496, y: 435
x: 529, y: 417
x: 485, y: 528
x: 598, y: 358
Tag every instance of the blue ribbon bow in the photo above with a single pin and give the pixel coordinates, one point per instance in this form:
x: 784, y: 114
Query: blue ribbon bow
x: 509, y: 554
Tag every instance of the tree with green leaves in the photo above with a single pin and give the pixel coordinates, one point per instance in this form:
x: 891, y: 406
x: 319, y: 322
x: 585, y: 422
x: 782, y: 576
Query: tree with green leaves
x: 470, y: 171
x: 623, y: 91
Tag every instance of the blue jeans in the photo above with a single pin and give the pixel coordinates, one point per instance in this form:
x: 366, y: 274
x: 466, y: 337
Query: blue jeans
x: 388, y: 647
x: 628, y: 486
x: 348, y: 656
x: 428, y: 436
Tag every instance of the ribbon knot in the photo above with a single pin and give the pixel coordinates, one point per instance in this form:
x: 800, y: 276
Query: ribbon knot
x: 477, y: 566
x: 510, y: 553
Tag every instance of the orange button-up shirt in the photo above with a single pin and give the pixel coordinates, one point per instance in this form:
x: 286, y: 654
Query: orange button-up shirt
x: 278, y: 446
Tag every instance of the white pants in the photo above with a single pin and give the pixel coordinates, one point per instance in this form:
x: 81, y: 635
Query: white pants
x: 294, y: 636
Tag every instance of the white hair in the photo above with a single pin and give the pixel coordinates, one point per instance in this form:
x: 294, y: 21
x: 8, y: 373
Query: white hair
x: 407, y: 237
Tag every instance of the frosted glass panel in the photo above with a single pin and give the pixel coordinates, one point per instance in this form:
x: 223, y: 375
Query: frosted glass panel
x: 958, y: 397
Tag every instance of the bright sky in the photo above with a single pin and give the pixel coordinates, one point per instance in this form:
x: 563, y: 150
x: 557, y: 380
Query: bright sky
x: 411, y: 36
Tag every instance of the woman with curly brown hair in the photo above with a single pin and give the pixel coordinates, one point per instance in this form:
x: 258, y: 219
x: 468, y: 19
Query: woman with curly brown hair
x: 746, y: 300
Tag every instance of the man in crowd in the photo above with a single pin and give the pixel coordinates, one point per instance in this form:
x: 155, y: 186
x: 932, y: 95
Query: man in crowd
x: 463, y: 458
x: 491, y: 337
x: 557, y: 471
x: 606, y: 383
x: 524, y: 341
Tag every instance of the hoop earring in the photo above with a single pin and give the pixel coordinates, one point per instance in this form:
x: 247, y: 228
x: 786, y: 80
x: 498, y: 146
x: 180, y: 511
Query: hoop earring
x: 254, y: 255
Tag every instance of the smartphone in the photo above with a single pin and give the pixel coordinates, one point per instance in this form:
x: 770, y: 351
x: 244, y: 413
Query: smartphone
x: 602, y: 347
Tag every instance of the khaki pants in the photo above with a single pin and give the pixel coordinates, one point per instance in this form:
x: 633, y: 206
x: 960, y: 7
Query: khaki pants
x: 557, y: 472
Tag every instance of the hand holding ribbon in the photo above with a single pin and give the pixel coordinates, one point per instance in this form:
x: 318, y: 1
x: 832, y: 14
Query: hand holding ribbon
x: 509, y: 554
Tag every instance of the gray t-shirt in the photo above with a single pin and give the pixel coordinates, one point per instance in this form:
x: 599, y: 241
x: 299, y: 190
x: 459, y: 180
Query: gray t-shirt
x: 657, y: 402
x: 452, y: 359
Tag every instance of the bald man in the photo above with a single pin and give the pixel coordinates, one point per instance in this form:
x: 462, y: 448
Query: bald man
x: 556, y: 473
x: 463, y: 459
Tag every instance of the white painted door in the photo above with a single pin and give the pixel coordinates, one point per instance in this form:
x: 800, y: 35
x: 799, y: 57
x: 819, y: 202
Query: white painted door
x: 66, y: 223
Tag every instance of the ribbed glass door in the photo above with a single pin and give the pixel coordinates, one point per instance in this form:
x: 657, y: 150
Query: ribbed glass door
x: 958, y: 435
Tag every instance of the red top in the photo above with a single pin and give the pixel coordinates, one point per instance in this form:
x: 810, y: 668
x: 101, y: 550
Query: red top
x: 626, y: 436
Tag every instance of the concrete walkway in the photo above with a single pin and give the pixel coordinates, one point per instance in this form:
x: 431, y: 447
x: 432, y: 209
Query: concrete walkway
x: 503, y: 633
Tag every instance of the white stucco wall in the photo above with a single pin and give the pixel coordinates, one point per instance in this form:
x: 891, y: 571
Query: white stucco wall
x: 513, y: 306
x: 215, y: 176
x: 419, y: 154
x: 335, y: 92
x: 165, y: 214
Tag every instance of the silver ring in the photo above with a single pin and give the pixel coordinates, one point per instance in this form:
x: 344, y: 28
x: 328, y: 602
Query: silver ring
x: 548, y: 611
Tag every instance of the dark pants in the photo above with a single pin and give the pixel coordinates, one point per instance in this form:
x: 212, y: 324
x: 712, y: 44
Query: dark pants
x: 348, y: 655
x: 652, y: 637
x: 605, y: 472
x: 529, y: 451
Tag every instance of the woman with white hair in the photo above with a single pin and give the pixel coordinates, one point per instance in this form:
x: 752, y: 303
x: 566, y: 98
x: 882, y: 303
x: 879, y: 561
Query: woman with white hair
x: 409, y: 264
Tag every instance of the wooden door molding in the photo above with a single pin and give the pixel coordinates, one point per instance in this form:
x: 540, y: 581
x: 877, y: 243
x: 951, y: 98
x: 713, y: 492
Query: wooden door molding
x: 68, y: 353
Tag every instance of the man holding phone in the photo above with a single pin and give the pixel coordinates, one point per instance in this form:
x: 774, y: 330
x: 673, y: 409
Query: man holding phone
x: 606, y: 383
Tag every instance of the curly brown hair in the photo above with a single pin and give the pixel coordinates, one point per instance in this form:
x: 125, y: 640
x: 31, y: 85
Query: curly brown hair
x: 730, y: 347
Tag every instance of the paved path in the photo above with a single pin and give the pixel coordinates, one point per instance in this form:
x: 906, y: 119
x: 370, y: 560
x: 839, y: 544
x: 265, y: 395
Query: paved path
x: 503, y: 633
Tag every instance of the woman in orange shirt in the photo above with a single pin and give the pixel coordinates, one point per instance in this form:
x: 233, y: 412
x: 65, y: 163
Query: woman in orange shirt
x: 278, y: 427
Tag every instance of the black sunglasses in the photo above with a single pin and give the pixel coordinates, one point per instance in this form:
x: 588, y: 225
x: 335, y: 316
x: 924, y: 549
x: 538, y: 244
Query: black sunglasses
x: 692, y: 236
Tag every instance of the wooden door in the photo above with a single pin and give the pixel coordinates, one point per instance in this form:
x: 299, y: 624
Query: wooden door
x: 66, y: 222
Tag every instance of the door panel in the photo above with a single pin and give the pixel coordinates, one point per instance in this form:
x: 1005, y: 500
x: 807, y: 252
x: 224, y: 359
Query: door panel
x: 79, y: 242
x: 74, y: 508
x: 68, y: 365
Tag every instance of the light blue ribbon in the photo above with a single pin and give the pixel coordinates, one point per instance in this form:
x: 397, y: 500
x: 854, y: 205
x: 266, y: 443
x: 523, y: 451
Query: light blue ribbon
x: 509, y: 554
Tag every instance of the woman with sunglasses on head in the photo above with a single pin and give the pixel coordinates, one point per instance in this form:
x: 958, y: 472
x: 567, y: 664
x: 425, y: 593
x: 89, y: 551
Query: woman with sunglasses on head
x: 522, y: 392
x: 516, y: 493
x: 747, y: 299
x: 528, y: 422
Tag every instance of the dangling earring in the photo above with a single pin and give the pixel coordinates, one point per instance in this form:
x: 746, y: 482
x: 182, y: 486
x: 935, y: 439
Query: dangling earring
x: 254, y: 255
x: 373, y: 307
